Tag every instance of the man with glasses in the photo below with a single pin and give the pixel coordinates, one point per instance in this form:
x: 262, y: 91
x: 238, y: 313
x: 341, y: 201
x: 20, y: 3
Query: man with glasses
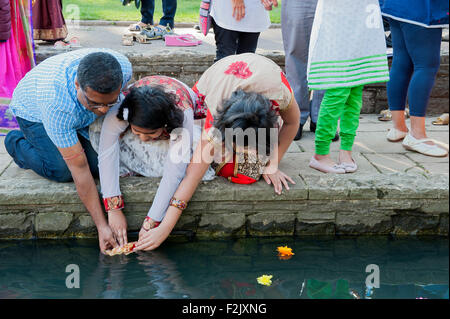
x: 54, y: 105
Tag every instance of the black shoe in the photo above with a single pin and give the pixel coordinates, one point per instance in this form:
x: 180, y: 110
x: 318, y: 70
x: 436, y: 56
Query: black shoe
x: 312, y: 126
x: 299, y: 133
x: 336, y: 137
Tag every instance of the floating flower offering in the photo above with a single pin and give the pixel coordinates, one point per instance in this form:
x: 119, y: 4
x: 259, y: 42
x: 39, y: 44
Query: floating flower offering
x: 125, y: 249
x: 265, y: 280
x: 285, y: 251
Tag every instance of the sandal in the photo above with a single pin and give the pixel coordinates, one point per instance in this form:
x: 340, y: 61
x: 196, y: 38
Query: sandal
x: 420, y: 146
x: 74, y: 42
x: 337, y: 169
x: 183, y: 40
x: 349, y: 167
x: 441, y: 120
x: 386, y: 115
x: 142, y: 38
x: 61, y: 45
x: 128, y: 39
x: 136, y: 27
x: 156, y: 32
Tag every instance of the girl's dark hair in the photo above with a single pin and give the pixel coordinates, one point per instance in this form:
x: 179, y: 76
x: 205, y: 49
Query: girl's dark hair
x: 152, y: 108
x: 246, y: 110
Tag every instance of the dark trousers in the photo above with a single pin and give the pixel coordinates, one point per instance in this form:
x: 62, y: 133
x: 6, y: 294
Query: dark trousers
x: 415, y: 64
x: 31, y: 148
x: 169, y: 10
x: 230, y: 42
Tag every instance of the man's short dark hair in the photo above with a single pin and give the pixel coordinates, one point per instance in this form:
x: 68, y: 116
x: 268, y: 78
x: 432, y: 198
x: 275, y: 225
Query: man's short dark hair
x: 101, y: 72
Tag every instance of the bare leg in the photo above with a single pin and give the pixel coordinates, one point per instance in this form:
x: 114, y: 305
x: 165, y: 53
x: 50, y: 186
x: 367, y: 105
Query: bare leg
x: 398, y: 119
x: 418, y: 128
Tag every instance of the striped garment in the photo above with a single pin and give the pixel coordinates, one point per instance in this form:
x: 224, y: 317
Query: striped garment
x: 347, y: 47
x: 47, y: 95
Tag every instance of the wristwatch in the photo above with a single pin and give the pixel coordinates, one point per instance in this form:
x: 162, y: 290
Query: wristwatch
x: 149, y: 224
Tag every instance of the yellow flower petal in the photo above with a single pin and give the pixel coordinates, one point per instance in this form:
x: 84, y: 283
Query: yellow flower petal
x: 265, y: 280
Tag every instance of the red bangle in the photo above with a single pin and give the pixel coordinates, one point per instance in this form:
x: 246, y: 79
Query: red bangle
x: 115, y: 202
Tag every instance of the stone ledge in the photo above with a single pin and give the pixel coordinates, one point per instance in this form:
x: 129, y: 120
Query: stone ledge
x: 400, y: 204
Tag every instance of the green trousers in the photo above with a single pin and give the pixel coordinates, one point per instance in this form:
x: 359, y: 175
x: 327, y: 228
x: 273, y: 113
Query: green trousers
x: 340, y: 103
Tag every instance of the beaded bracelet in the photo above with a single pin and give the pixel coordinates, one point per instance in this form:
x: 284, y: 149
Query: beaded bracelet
x: 180, y: 204
x: 115, y: 202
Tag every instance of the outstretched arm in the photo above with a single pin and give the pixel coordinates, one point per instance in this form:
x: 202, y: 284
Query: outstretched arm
x: 108, y: 163
x: 198, y: 166
x: 291, y: 119
x: 78, y: 165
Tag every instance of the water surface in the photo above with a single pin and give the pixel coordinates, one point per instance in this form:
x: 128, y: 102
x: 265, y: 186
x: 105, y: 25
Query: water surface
x: 320, y: 268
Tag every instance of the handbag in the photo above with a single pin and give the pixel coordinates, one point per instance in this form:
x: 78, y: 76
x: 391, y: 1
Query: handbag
x: 205, y: 16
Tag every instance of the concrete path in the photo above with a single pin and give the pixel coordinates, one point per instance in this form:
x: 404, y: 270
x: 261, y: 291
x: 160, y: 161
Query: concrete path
x: 109, y: 36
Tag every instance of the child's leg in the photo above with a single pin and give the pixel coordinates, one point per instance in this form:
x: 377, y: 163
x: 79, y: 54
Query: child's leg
x: 350, y: 118
x: 332, y: 106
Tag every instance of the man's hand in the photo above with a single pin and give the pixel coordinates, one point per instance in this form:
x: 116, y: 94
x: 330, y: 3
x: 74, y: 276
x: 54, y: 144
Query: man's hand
x: 238, y: 9
x: 149, y: 240
x: 105, y: 238
x: 269, y: 3
x: 277, y: 179
x: 118, y: 224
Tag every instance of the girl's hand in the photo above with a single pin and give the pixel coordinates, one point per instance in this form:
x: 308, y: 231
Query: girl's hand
x: 277, y: 179
x: 149, y: 240
x: 238, y: 9
x: 118, y: 224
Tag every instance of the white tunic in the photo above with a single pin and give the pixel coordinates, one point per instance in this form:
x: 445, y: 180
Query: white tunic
x: 256, y: 18
x: 348, y: 46
x: 129, y: 155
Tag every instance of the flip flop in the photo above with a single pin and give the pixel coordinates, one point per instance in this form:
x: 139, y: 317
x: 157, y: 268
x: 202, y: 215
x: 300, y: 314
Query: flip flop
x: 441, y: 120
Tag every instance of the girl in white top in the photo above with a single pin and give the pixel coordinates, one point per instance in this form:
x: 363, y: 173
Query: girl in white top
x: 151, y: 133
x: 237, y: 25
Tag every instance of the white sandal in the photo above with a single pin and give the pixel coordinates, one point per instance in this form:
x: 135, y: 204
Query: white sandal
x: 412, y: 144
x: 337, y: 169
x: 349, y: 167
x: 395, y: 135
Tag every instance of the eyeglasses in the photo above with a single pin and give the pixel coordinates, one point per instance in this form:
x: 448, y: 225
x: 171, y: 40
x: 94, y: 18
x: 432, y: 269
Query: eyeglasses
x: 94, y: 105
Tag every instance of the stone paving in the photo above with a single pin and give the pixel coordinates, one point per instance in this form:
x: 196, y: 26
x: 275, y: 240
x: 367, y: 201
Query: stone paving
x: 393, y: 192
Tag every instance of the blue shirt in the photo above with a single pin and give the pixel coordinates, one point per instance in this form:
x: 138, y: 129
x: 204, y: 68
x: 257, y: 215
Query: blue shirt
x: 426, y: 13
x: 47, y: 95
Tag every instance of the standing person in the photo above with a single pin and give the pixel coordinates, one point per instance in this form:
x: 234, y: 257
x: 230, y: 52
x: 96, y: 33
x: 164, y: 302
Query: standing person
x: 237, y: 25
x: 54, y: 105
x: 148, y: 9
x: 48, y: 20
x: 296, y: 23
x: 16, y: 45
x: 416, y: 28
x: 347, y: 51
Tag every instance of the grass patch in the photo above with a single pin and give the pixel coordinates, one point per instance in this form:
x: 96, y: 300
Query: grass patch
x: 113, y: 10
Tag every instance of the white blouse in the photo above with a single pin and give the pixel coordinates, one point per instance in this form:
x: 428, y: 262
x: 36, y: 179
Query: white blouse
x: 174, y: 171
x: 256, y: 18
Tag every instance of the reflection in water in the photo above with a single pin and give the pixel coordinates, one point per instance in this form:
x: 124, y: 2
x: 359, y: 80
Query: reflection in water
x: 321, y: 268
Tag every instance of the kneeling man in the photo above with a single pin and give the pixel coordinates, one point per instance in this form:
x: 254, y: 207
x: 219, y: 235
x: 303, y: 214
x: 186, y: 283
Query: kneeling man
x: 54, y: 105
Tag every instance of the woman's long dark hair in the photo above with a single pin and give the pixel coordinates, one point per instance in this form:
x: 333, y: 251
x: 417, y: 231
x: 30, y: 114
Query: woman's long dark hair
x: 152, y: 108
x: 246, y: 110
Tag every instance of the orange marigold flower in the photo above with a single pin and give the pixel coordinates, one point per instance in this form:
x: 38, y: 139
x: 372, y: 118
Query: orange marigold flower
x: 285, y: 251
